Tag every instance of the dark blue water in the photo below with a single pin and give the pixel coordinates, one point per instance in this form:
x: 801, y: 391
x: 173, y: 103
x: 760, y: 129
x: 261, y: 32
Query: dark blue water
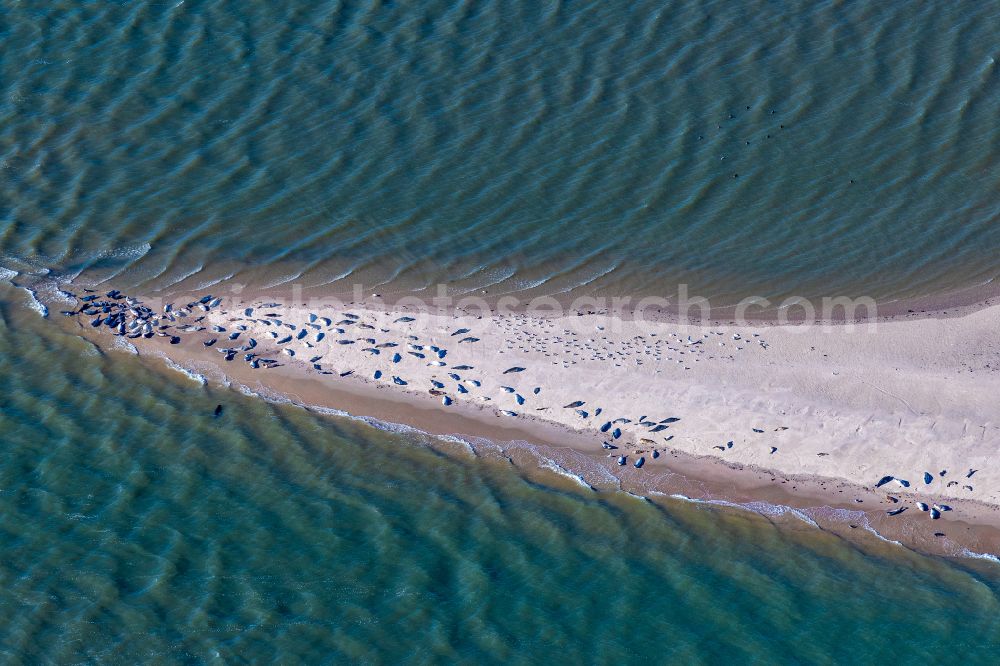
x: 524, y: 145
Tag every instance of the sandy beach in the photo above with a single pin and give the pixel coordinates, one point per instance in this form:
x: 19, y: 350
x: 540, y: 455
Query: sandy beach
x: 899, y: 414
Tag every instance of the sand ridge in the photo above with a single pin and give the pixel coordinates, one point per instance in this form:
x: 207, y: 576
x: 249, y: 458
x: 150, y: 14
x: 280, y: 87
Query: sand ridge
x: 832, y: 408
x: 855, y: 403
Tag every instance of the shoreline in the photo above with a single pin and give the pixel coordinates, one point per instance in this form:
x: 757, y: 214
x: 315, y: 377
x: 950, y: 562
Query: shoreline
x: 239, y: 280
x: 950, y: 303
x: 684, y: 463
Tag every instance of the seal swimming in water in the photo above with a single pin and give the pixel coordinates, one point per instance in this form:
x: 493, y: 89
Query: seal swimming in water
x: 218, y: 410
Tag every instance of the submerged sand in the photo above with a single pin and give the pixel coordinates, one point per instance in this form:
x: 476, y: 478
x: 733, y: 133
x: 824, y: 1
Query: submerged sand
x: 822, y: 411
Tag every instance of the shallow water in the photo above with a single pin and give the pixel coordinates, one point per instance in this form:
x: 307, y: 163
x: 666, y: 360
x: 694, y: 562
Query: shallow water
x: 519, y: 145
x: 136, y: 525
x: 509, y: 146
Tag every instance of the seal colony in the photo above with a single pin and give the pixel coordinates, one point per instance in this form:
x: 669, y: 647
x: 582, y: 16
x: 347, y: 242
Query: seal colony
x: 873, y: 407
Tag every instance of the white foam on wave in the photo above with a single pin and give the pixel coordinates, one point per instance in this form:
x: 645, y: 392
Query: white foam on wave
x: 851, y: 516
x: 193, y: 376
x: 491, y: 276
x: 278, y: 398
x: 24, y: 266
x: 124, y: 345
x: 965, y: 552
x: 134, y: 251
x: 184, y: 276
x: 90, y: 349
x: 552, y: 465
x: 525, y: 285
x: 586, y: 473
x: 277, y: 282
x: 334, y: 278
x: 769, y: 509
x: 129, y: 253
x: 210, y: 283
x: 593, y: 277
x: 872, y: 530
x: 36, y: 304
x: 247, y: 391
x: 46, y: 291
x: 387, y: 426
x: 761, y: 508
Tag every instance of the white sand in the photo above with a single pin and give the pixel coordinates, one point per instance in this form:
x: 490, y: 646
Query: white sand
x: 898, y: 398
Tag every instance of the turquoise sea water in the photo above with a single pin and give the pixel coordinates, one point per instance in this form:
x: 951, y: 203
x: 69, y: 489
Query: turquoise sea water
x: 136, y: 526
x: 508, y: 146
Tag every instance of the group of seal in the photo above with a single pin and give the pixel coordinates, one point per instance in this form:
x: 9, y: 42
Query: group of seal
x: 126, y: 316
